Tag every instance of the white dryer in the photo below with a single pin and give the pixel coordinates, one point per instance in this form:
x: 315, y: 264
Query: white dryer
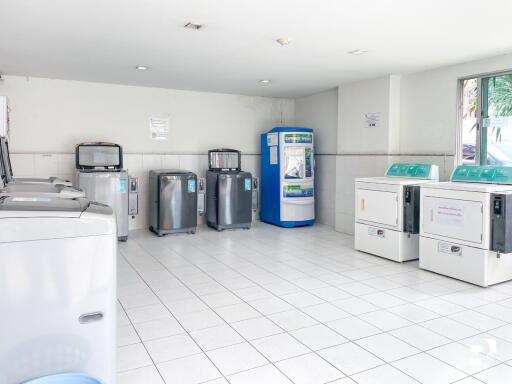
x: 387, y: 211
x: 466, y: 226
x: 58, y: 288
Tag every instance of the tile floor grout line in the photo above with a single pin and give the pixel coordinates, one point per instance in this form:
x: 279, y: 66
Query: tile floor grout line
x: 413, y: 323
x: 384, y: 331
x: 266, y: 316
x: 229, y: 324
x: 176, y: 319
x: 261, y: 266
x: 145, y: 348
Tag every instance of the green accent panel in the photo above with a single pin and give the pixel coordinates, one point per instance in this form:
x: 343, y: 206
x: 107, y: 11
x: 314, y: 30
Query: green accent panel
x: 420, y: 171
x: 492, y: 174
x: 304, y: 138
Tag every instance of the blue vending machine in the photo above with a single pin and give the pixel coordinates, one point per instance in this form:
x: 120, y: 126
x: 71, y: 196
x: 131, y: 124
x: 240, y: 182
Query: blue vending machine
x: 287, y: 177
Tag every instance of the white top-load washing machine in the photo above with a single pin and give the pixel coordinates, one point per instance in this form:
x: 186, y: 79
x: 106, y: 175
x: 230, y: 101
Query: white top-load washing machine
x: 466, y: 226
x: 35, y: 189
x: 5, y: 158
x: 387, y: 211
x: 58, y: 288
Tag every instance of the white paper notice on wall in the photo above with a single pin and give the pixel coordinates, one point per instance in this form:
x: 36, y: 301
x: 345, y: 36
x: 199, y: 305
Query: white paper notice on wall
x: 372, y: 120
x: 159, y: 128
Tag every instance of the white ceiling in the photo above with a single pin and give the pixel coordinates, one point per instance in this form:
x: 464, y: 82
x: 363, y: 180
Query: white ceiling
x: 103, y: 40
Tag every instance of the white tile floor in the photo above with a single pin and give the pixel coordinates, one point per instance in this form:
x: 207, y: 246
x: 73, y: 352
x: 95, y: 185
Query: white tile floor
x: 275, y: 306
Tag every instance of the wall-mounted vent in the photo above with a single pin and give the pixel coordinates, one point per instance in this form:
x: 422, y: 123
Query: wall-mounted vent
x: 190, y: 25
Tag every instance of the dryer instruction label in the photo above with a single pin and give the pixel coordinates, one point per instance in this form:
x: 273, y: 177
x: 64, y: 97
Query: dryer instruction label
x: 449, y: 249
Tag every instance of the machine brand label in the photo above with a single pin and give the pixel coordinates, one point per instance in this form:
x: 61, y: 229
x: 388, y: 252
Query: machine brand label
x: 248, y: 184
x: 123, y: 185
x: 191, y: 186
x: 298, y: 138
x: 449, y: 249
x: 298, y: 191
x: 378, y: 232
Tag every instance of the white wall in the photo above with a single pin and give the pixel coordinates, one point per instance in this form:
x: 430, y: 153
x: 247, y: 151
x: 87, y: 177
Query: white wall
x: 419, y: 125
x: 48, y: 117
x: 53, y: 115
x: 320, y: 111
x: 358, y: 99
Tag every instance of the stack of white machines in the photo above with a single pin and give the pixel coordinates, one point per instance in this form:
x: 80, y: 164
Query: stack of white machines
x: 466, y: 226
x: 57, y: 282
x: 387, y: 211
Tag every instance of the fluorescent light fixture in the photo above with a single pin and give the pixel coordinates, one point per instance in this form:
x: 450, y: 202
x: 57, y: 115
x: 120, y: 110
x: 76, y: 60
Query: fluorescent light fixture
x: 141, y: 68
x: 265, y: 81
x: 283, y: 41
x: 357, y: 52
x: 195, y: 26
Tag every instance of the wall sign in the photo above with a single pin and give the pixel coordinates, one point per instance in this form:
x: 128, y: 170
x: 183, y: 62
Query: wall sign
x: 159, y: 128
x: 372, y: 120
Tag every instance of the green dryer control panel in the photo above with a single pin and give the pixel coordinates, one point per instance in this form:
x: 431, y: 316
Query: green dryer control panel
x: 418, y: 171
x: 490, y: 174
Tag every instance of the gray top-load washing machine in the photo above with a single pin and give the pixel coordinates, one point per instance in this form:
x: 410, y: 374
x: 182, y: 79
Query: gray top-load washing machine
x: 100, y: 174
x: 172, y: 201
x: 228, y: 191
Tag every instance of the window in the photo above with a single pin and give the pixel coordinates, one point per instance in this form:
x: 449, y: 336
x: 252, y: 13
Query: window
x: 486, y: 131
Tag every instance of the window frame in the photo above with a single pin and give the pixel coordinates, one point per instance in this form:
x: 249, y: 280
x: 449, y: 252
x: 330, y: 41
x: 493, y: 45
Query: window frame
x: 481, y: 136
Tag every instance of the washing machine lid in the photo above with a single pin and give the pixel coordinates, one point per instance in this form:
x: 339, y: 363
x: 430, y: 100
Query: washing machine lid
x: 393, y: 180
x: 469, y: 187
x: 38, y: 206
x: 172, y: 172
x: 41, y: 190
x: 35, y: 180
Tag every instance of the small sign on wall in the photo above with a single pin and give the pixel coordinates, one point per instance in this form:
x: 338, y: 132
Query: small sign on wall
x: 372, y: 120
x: 159, y: 128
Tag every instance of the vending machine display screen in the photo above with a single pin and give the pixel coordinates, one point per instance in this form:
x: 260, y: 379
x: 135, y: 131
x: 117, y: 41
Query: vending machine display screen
x: 294, y: 163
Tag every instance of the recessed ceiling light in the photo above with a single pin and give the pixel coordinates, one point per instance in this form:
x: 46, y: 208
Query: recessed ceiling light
x: 265, y: 81
x: 357, y: 52
x: 283, y: 40
x: 195, y: 26
x: 141, y: 67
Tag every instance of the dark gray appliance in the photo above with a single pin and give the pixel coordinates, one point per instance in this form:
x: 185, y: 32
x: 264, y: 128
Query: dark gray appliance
x: 172, y: 201
x: 501, y: 223
x: 412, y: 209
x: 228, y: 191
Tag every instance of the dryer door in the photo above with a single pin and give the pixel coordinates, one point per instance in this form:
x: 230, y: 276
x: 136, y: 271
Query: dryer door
x: 453, y: 218
x: 379, y: 207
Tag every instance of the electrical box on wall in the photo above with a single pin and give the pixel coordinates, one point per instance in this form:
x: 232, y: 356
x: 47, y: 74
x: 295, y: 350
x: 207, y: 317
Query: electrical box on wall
x: 4, y: 117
